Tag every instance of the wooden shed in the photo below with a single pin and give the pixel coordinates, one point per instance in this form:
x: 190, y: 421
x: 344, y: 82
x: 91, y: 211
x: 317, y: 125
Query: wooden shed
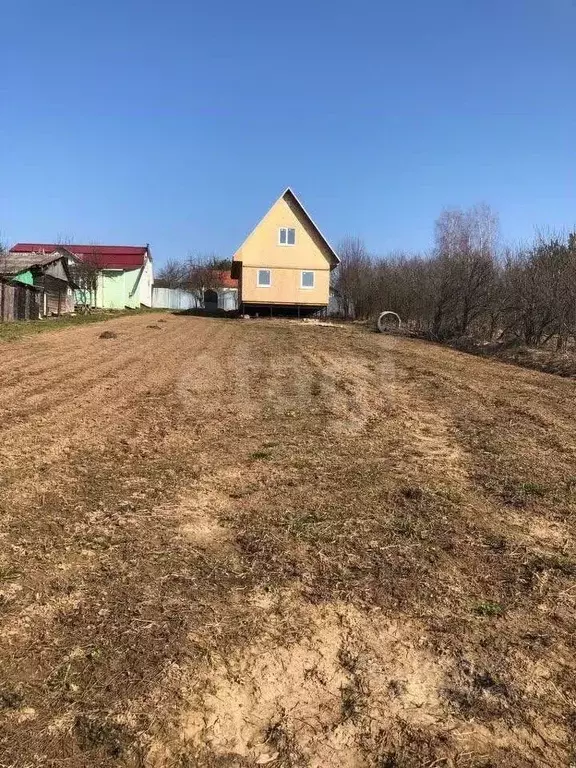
x: 18, y: 301
x: 47, y: 274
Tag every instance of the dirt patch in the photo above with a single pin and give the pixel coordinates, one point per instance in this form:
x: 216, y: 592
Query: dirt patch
x: 199, y: 514
x: 320, y: 701
x: 267, y: 543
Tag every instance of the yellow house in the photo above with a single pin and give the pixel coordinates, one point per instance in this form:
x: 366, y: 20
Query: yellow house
x: 285, y: 262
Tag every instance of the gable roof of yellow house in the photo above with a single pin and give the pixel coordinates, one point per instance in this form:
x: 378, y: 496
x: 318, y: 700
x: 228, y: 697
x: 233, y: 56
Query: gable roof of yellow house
x: 285, y: 261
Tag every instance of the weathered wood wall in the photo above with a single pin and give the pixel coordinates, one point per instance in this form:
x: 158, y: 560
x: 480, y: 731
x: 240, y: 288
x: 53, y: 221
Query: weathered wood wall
x: 18, y: 302
x: 55, y: 295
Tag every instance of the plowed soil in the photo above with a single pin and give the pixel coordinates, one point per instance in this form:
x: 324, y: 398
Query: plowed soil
x: 236, y: 543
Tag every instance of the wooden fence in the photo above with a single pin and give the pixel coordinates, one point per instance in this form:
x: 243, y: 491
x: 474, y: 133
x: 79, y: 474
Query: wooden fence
x: 19, y: 301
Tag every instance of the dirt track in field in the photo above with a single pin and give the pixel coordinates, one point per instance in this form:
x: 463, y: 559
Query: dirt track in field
x: 228, y: 543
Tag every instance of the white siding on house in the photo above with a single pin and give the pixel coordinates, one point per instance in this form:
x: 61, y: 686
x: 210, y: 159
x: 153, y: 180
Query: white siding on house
x: 146, y: 283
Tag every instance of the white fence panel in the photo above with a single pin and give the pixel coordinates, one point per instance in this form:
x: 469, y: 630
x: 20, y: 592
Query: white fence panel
x: 173, y: 298
x: 177, y: 299
x: 228, y: 299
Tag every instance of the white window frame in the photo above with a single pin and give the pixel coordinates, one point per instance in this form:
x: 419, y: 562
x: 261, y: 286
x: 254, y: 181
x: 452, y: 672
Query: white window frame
x: 286, y: 244
x: 307, y: 287
x: 264, y: 285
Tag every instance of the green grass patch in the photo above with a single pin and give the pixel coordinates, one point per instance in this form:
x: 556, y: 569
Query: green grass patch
x: 488, y: 608
x: 519, y: 494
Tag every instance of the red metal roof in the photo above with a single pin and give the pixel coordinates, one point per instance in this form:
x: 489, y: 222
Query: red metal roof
x: 226, y: 280
x: 112, y: 256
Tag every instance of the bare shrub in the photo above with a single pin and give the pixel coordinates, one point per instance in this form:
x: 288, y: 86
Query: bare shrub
x: 173, y: 273
x: 468, y: 286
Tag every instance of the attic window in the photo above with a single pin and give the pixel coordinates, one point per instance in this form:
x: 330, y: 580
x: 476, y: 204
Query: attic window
x: 286, y: 236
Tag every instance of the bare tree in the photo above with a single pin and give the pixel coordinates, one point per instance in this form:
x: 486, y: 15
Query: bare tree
x: 353, y: 280
x: 404, y: 286
x: 539, y: 297
x: 198, y: 273
x: 448, y: 292
x: 173, y: 273
x: 3, y: 257
x: 202, y: 272
x: 64, y: 238
x: 464, y: 268
x: 467, y: 286
x: 85, y: 271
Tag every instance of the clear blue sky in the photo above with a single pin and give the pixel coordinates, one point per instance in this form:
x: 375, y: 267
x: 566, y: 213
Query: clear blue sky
x: 179, y: 123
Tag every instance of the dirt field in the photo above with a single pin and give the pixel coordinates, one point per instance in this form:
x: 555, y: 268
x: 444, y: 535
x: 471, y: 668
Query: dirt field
x: 228, y: 543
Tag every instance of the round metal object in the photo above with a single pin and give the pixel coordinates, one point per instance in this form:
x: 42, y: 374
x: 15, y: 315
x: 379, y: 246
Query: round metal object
x: 382, y: 323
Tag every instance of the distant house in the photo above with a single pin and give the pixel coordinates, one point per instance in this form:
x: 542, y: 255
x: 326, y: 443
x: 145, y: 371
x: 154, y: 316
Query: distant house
x: 109, y: 276
x: 285, y: 263
x: 48, y: 276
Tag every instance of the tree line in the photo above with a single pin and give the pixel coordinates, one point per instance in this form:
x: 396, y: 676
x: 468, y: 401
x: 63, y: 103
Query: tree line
x: 468, y: 285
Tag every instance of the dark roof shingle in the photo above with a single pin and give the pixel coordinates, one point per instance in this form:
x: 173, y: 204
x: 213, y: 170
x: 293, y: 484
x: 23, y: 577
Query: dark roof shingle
x: 14, y: 263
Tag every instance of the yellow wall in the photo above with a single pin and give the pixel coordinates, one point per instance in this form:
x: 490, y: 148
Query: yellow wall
x: 262, y: 250
x: 286, y: 287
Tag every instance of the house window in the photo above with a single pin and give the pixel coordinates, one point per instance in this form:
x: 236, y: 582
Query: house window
x: 264, y: 278
x: 286, y: 236
x: 307, y: 280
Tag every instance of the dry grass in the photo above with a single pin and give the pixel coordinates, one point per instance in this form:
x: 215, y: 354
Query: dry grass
x: 14, y: 331
x: 546, y: 359
x: 235, y: 544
